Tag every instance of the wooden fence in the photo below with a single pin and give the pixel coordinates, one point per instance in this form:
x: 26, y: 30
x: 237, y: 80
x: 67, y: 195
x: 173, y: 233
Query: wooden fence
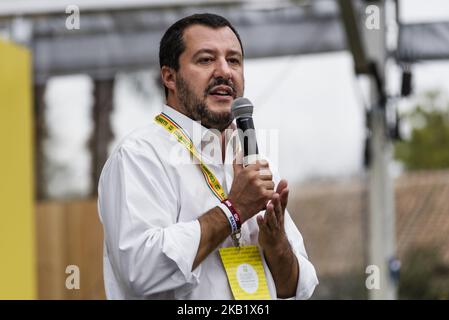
x: 69, y: 233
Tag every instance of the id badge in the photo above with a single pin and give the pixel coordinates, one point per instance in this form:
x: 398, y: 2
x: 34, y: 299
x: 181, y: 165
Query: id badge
x: 245, y: 272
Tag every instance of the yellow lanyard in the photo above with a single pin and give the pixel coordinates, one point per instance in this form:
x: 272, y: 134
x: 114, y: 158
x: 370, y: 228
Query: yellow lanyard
x: 212, y: 182
x: 171, y: 126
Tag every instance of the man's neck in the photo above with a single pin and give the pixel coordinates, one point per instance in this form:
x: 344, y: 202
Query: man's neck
x: 176, y: 106
x: 172, y: 103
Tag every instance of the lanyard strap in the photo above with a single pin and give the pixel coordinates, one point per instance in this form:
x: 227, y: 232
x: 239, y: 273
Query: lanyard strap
x: 212, y: 182
x: 171, y: 126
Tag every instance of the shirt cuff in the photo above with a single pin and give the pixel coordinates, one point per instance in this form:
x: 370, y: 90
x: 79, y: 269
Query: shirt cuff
x: 175, y: 248
x: 307, y: 280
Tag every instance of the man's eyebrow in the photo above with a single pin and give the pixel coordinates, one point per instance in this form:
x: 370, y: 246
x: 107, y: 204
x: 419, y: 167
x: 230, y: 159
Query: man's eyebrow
x: 211, y: 51
x: 203, y: 51
x: 235, y: 52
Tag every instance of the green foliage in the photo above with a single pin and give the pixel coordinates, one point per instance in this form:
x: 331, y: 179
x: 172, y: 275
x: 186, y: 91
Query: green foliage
x: 345, y: 286
x: 428, y: 146
x: 424, y: 275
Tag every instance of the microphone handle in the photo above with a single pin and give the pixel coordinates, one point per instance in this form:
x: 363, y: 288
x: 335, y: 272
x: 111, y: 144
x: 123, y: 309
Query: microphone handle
x: 247, y: 136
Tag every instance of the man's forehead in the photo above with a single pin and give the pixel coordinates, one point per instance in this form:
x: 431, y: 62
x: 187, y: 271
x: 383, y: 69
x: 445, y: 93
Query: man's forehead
x: 199, y: 37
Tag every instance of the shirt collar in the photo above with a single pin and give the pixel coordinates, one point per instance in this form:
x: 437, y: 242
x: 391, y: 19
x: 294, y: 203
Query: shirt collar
x: 200, y: 135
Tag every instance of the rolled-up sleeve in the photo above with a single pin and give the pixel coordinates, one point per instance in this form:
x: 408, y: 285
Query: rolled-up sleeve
x: 307, y: 280
x: 146, y: 245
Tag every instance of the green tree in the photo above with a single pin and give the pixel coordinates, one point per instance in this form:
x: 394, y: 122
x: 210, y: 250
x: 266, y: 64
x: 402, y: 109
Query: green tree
x: 424, y: 274
x: 428, y: 145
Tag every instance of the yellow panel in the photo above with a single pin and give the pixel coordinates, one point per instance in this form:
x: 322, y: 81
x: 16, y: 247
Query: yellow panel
x: 17, y: 229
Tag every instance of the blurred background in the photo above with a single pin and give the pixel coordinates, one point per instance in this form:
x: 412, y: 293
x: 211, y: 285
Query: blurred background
x: 357, y: 93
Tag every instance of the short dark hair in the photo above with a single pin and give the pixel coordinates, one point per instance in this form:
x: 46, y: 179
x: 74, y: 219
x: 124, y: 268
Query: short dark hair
x: 172, y: 44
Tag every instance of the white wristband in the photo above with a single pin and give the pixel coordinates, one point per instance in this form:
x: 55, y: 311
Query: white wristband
x: 230, y: 217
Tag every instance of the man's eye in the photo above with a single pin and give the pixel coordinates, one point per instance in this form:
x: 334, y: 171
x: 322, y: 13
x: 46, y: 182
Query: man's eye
x: 205, y: 60
x: 234, y: 61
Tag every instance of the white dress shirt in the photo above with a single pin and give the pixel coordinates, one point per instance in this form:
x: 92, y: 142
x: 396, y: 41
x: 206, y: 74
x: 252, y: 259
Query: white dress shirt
x: 149, y: 204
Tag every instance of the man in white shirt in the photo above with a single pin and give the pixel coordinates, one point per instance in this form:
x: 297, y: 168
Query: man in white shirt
x: 164, y: 223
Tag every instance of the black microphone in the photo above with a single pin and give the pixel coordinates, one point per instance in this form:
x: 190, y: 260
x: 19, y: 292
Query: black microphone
x: 242, y: 111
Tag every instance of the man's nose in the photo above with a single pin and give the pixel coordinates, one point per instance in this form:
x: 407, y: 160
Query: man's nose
x: 222, y: 69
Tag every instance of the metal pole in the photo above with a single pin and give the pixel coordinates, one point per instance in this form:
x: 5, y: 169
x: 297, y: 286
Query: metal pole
x: 102, y: 133
x: 381, y: 191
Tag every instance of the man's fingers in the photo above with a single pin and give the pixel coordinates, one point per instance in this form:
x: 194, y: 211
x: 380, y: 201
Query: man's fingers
x: 258, y: 165
x: 260, y: 222
x: 238, y: 163
x: 282, y: 189
x: 269, y: 185
x: 270, y: 217
x: 277, y: 207
x: 267, y: 213
x: 281, y: 186
x: 284, y: 198
x: 263, y: 163
x: 265, y: 174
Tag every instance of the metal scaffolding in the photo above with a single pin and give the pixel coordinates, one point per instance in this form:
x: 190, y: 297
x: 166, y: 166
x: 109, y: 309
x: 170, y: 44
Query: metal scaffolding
x: 125, y: 34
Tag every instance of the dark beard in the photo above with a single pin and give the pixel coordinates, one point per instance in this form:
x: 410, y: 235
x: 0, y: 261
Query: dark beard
x: 197, y: 109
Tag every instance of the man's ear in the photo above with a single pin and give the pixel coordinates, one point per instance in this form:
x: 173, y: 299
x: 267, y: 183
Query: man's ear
x: 168, y: 76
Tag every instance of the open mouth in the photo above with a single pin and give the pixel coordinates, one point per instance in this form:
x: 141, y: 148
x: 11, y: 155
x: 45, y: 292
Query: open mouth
x: 222, y: 91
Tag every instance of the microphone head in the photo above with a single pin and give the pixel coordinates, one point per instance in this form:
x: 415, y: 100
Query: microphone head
x: 241, y: 107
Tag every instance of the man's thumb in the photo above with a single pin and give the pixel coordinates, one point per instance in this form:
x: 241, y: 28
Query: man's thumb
x: 238, y: 162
